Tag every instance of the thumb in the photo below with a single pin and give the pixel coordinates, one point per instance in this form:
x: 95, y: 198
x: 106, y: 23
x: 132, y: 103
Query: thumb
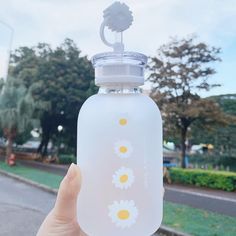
x: 66, y: 203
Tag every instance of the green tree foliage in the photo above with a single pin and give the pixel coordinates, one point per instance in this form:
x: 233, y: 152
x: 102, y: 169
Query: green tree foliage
x: 223, y: 138
x: 14, y: 117
x: 180, y: 69
x: 60, y: 80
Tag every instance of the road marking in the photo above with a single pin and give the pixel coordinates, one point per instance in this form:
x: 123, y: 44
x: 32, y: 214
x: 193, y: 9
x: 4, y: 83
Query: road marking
x: 201, y: 194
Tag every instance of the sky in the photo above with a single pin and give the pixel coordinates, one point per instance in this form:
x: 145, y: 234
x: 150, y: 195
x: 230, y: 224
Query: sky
x: 155, y: 21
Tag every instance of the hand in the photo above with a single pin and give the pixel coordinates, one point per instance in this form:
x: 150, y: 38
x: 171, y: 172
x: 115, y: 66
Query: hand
x: 62, y: 220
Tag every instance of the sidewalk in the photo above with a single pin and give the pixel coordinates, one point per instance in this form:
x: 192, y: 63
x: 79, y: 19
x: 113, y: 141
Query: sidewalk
x: 205, y: 192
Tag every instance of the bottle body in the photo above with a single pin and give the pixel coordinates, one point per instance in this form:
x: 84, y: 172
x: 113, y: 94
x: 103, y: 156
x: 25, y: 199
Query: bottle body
x: 119, y: 151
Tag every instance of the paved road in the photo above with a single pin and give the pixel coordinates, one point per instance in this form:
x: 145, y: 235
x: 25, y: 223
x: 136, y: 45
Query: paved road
x: 22, y: 207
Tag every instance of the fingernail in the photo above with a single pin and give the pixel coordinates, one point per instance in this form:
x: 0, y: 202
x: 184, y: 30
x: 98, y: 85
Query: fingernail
x: 71, y: 173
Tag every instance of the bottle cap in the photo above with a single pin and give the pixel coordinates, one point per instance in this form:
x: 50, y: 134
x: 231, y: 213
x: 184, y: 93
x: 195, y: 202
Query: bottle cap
x: 118, y: 68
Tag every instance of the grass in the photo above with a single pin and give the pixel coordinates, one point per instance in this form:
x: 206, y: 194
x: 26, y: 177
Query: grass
x: 190, y: 220
x: 42, y: 177
x: 198, y: 222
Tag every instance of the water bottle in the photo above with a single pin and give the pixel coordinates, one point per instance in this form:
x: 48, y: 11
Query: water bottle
x: 119, y: 145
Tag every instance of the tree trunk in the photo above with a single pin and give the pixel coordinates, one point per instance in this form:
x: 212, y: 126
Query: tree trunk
x: 45, y: 149
x: 42, y: 149
x: 47, y: 127
x: 183, y: 146
x: 9, y: 148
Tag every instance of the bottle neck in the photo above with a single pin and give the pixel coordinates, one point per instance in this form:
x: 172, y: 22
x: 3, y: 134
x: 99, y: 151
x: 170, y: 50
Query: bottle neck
x: 119, y: 90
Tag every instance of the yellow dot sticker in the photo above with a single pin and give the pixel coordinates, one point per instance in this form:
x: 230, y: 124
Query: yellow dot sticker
x: 123, y: 149
x: 124, y: 178
x: 123, y: 214
x: 123, y: 121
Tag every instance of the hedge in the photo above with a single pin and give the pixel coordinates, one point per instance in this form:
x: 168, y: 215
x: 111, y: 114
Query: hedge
x: 204, y: 178
x: 66, y: 159
x: 214, y: 160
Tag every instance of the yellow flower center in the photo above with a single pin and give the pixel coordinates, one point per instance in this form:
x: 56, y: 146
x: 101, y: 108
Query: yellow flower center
x: 123, y: 121
x: 124, y: 178
x: 123, y: 214
x: 123, y: 149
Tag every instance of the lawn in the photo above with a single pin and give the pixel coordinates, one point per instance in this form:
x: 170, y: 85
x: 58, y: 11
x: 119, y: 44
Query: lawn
x: 38, y: 176
x: 198, y: 222
x: 183, y: 218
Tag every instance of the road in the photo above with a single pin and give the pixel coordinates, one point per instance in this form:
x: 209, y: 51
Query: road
x: 22, y: 207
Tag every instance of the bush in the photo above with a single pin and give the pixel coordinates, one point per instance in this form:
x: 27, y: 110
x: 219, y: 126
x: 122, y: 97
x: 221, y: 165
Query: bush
x: 66, y: 159
x: 204, y: 178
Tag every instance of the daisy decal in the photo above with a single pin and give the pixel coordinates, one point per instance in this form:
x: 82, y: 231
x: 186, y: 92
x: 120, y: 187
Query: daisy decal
x: 123, y: 178
x: 123, y: 149
x: 123, y: 213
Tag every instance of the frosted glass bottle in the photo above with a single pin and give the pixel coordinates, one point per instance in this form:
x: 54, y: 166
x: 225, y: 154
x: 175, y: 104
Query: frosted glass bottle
x: 119, y: 151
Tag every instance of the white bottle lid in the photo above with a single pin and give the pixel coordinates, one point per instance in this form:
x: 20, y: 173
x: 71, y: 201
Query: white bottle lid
x: 118, y: 68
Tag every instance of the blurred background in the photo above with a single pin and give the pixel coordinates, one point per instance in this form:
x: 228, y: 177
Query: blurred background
x: 46, y: 75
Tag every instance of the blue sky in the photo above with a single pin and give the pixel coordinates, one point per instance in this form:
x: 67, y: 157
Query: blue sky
x: 155, y: 21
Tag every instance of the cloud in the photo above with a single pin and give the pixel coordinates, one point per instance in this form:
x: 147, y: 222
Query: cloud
x: 155, y: 21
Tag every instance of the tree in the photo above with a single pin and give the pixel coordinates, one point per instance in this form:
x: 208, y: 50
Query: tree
x: 180, y: 69
x: 60, y: 77
x: 14, y: 117
x: 223, y: 138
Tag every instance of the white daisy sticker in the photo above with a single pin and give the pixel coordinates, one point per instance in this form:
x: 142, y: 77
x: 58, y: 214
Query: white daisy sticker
x: 123, y: 149
x: 123, y: 178
x: 123, y: 213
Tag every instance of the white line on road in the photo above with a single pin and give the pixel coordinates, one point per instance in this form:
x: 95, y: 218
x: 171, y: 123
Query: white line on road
x: 201, y: 194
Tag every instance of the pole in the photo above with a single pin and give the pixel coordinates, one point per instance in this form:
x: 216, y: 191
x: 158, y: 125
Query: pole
x: 10, y: 45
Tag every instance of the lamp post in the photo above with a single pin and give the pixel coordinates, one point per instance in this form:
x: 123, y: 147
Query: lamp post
x: 60, y: 129
x: 9, y: 47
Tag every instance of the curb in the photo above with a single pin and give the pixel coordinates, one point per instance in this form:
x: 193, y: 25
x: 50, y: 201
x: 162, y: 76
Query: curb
x: 30, y: 182
x: 47, y: 165
x: 162, y: 230
x: 170, y: 232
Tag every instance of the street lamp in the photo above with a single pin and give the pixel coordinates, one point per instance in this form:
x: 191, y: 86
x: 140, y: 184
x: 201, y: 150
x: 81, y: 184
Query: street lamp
x: 10, y: 45
x: 59, y: 128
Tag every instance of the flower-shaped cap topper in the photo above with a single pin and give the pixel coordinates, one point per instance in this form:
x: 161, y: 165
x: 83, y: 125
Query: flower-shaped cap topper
x: 117, y: 18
